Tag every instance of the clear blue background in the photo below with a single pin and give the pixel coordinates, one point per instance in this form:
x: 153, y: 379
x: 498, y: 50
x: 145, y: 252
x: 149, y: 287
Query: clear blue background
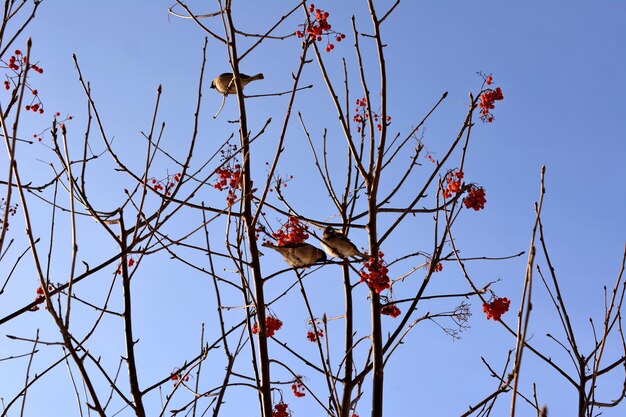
x: 561, y: 66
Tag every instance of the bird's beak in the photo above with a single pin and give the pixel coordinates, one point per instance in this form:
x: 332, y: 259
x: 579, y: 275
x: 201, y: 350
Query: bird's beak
x: 212, y: 84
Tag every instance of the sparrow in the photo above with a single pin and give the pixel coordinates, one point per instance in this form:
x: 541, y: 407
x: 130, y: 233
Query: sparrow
x: 299, y: 255
x: 225, y: 83
x: 337, y: 244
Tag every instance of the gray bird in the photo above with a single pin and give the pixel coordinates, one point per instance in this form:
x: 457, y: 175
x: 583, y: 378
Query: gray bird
x: 225, y: 83
x: 299, y: 255
x: 337, y: 244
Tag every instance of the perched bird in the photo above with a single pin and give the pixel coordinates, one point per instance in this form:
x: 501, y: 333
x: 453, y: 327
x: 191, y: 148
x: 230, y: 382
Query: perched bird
x: 337, y: 244
x: 225, y: 83
x: 299, y: 255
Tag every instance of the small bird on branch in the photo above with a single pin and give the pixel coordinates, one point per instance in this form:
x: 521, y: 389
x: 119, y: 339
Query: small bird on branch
x: 225, y: 83
x: 299, y: 255
x: 337, y: 244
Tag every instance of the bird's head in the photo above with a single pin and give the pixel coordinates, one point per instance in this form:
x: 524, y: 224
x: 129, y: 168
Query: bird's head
x: 212, y: 84
x: 329, y: 232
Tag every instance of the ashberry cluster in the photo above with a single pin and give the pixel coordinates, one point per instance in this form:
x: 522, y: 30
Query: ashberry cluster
x: 374, y: 273
x: 167, y: 184
x: 453, y: 183
x: 496, y: 308
x: 487, y: 98
x: 298, y: 388
x: 313, y: 337
x: 318, y: 26
x: 390, y: 310
x: 281, y: 410
x: 475, y: 198
x: 229, y: 174
x: 291, y: 232
x: 176, y: 376
x: 362, y: 115
x: 18, y: 62
x: 39, y: 298
x: 272, y: 324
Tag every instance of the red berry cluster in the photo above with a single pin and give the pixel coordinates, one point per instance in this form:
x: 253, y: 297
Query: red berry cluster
x: 453, y: 181
x: 390, y: 310
x: 272, y: 324
x: 176, y: 376
x: 436, y: 268
x: 376, y: 275
x: 298, y: 388
x: 313, y: 337
x: 229, y: 178
x: 157, y: 185
x: 362, y: 115
x: 39, y: 298
x: 281, y: 410
x: 487, y: 99
x: 229, y: 174
x: 18, y: 62
x: 318, y: 26
x: 39, y: 136
x: 291, y: 232
x: 496, y: 308
x: 475, y: 198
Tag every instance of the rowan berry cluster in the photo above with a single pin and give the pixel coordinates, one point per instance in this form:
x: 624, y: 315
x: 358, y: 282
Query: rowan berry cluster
x: 453, y: 183
x: 176, y: 376
x: 390, y: 310
x: 39, y: 298
x: 313, y: 337
x: 18, y: 62
x: 475, y: 198
x: 362, y: 116
x: 437, y: 267
x: 317, y: 26
x: 272, y: 324
x: 376, y: 275
x: 229, y: 174
x: 281, y: 410
x: 496, y: 308
x: 167, y: 184
x: 298, y: 388
x: 291, y: 232
x: 487, y: 99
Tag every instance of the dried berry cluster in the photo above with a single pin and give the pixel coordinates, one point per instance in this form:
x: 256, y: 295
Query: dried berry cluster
x: 376, y: 274
x: 272, y: 324
x: 496, y: 308
x: 291, y: 232
x: 317, y: 26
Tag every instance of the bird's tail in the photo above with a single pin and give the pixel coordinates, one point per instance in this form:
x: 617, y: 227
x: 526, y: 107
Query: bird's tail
x: 259, y: 76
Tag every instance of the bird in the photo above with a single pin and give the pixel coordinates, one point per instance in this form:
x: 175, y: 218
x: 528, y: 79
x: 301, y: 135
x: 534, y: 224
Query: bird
x: 337, y: 244
x: 299, y: 255
x: 225, y: 83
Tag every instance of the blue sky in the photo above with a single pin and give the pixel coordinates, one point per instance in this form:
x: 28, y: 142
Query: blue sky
x: 560, y: 65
